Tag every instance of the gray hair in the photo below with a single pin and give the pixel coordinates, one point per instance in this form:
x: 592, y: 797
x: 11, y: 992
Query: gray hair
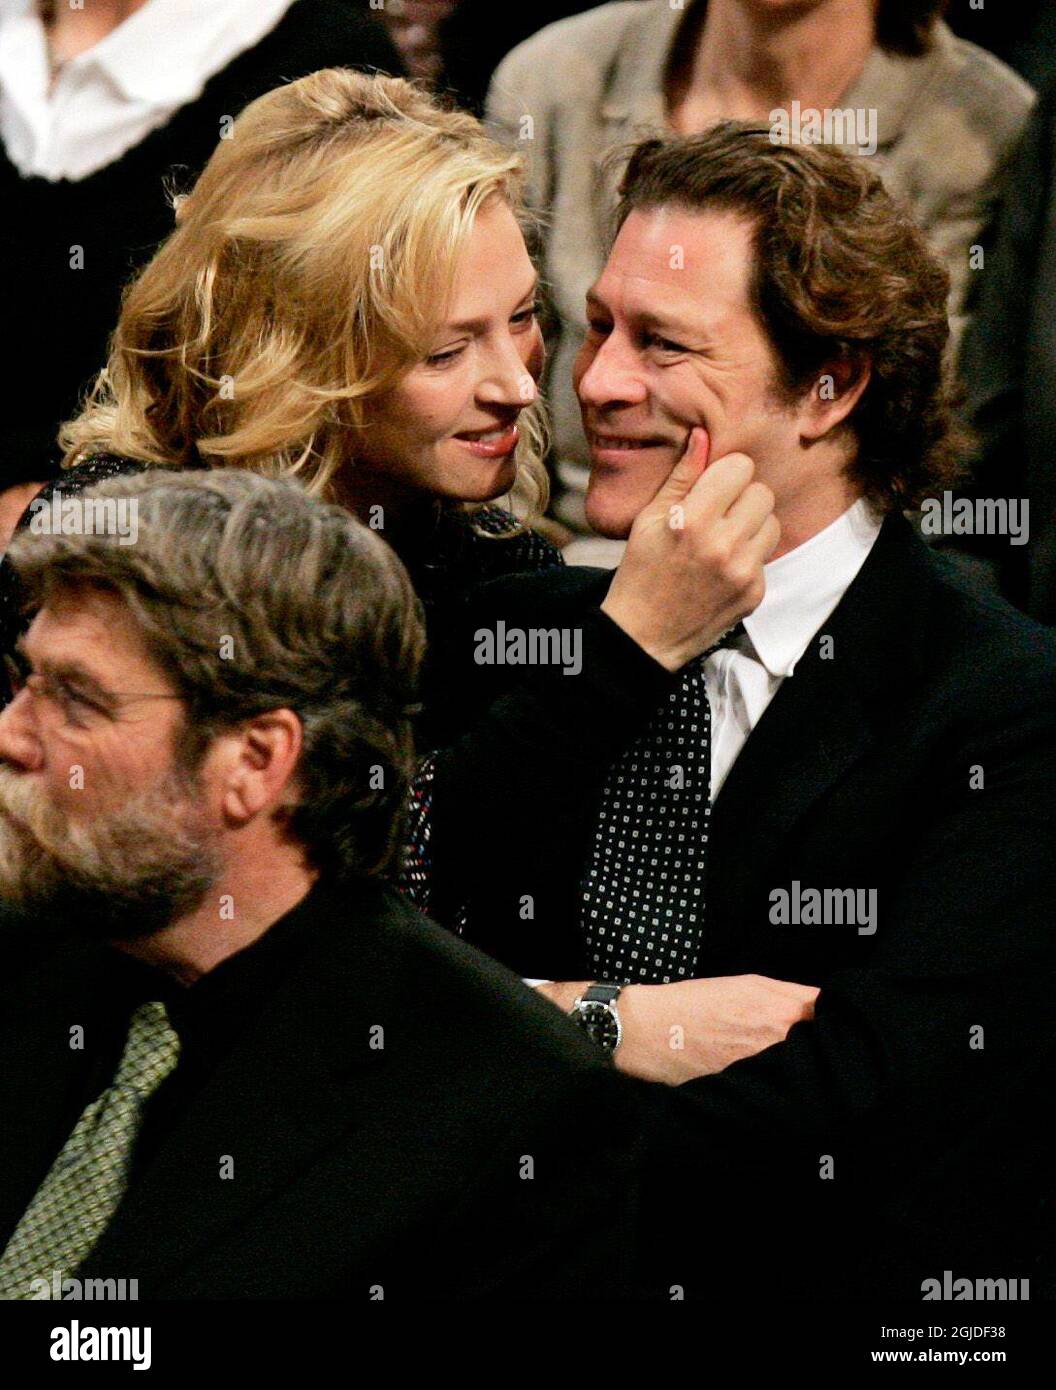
x: 251, y: 595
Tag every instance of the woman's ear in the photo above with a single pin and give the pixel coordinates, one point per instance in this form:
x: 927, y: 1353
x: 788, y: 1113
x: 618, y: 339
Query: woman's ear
x: 835, y: 393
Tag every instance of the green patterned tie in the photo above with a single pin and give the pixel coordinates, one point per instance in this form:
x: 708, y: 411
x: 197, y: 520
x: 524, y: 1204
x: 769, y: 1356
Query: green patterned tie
x: 82, y: 1191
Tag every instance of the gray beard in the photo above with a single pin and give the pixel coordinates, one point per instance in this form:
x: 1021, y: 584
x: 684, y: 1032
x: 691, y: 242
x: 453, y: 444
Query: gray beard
x: 122, y: 875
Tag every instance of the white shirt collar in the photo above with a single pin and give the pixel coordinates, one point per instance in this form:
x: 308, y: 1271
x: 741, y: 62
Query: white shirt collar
x: 163, y: 54
x: 804, y: 587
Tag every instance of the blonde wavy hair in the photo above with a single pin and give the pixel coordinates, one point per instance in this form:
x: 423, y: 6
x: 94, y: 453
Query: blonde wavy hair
x: 309, y: 269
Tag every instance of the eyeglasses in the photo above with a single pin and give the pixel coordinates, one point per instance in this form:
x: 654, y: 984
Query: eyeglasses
x: 76, y: 707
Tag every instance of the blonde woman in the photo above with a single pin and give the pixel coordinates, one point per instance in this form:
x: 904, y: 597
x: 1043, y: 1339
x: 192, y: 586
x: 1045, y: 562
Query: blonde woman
x: 347, y: 298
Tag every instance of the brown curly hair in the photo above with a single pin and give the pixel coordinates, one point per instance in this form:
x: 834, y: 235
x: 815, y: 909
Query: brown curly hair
x: 841, y: 274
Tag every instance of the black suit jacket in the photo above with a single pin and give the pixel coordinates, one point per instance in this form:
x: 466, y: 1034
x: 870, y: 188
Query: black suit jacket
x: 484, y: 1150
x: 914, y: 754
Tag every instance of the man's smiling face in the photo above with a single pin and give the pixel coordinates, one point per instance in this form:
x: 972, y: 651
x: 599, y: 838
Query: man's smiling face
x: 673, y: 343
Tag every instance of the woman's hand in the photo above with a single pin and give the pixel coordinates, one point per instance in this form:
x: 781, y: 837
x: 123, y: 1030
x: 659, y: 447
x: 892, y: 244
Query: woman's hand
x: 694, y: 560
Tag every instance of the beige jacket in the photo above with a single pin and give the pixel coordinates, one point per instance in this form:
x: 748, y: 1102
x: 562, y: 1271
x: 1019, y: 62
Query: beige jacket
x: 944, y: 123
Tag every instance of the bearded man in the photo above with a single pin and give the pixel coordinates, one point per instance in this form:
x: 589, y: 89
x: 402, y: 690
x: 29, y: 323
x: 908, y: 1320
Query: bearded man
x: 248, y: 1068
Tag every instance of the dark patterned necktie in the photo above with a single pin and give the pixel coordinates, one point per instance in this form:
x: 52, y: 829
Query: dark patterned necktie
x: 642, y: 910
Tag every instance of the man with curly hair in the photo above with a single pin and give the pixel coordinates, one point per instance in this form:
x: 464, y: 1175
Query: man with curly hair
x: 814, y: 891
x: 933, y: 113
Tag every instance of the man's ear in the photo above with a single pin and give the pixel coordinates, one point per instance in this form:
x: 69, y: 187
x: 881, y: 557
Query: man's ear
x: 260, y: 765
x: 834, y: 395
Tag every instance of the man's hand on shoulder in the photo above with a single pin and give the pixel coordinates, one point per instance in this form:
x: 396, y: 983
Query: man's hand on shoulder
x: 675, y: 1033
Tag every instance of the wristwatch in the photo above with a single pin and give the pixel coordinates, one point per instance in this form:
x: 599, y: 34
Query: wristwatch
x: 595, y: 1012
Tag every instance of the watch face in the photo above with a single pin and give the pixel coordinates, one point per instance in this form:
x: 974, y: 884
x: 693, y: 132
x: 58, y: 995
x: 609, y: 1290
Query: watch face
x: 599, y: 1022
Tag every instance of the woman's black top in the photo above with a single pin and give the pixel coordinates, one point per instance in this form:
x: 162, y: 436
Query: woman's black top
x: 450, y: 558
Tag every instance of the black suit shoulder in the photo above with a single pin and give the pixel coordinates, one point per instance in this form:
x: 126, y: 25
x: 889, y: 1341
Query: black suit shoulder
x: 426, y: 1123
x: 978, y: 643
x: 497, y: 1023
x: 368, y: 938
x: 505, y: 1107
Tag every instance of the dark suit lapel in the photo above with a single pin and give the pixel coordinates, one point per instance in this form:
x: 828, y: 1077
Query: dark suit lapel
x: 824, y: 718
x: 281, y: 1097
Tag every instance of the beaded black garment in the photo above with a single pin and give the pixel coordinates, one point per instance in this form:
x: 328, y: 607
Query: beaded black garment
x: 459, y: 551
x: 68, y: 484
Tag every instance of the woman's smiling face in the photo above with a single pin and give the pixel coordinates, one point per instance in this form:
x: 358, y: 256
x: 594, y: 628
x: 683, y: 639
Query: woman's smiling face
x: 449, y: 426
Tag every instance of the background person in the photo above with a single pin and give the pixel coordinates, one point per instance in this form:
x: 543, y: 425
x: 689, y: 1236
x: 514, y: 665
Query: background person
x: 454, y: 46
x: 1008, y: 367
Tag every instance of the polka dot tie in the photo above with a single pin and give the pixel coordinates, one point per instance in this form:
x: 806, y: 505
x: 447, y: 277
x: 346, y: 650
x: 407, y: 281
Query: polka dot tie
x: 84, y: 1187
x: 642, y: 908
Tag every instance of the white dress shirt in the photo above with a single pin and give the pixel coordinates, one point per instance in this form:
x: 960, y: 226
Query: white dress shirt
x: 109, y: 98
x: 803, y: 588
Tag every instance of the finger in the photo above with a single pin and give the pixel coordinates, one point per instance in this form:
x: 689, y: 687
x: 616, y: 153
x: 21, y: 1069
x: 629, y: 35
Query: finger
x: 720, y: 486
x: 791, y: 990
x: 689, y: 468
x: 750, y: 510
x: 760, y: 547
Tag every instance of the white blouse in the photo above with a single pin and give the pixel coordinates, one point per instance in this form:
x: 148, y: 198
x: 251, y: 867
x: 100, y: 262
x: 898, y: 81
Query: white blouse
x: 109, y: 98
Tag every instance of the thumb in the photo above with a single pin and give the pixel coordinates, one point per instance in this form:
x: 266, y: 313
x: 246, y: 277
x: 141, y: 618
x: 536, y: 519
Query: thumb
x: 687, y: 470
